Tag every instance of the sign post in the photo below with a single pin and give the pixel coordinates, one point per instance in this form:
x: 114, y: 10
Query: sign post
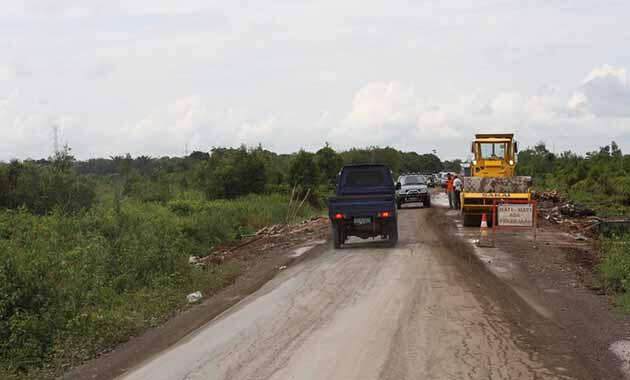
x: 514, y: 214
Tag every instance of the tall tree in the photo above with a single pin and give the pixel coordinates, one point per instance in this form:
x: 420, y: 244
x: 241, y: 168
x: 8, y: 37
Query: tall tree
x: 329, y: 164
x: 304, y: 171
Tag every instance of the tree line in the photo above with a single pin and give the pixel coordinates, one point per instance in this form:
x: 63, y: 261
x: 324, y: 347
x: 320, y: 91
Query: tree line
x: 63, y: 182
x: 600, y: 179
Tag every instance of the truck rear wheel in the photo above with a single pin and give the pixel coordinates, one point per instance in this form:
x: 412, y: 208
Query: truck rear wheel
x: 338, y: 236
x: 393, y: 236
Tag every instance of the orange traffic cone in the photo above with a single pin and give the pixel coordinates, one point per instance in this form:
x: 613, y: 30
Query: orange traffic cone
x: 484, y: 237
x: 484, y: 221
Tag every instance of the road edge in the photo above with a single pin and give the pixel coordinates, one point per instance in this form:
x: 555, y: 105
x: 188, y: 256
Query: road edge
x: 152, y: 342
x: 531, y: 329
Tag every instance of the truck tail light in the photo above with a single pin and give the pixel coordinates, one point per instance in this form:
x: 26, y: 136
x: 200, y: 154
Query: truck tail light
x: 384, y: 214
x: 339, y: 216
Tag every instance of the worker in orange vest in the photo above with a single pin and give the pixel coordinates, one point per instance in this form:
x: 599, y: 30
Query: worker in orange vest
x: 449, y: 190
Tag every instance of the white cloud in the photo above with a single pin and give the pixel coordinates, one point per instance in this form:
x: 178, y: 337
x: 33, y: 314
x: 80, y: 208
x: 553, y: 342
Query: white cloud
x: 147, y: 77
x: 196, y: 121
x: 88, y: 8
x: 380, y: 104
x: 23, y: 126
x: 607, y: 71
x: 605, y: 92
x: 392, y: 113
x: 6, y: 73
x: 578, y: 104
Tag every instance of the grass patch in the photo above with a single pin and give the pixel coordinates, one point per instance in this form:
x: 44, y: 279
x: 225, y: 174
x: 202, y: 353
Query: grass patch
x: 614, y: 270
x: 73, y: 286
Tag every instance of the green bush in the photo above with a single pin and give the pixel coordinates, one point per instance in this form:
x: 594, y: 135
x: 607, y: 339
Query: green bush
x: 232, y: 173
x: 614, y: 270
x: 157, y: 190
x: 72, y: 285
x: 615, y: 266
x: 42, y: 188
x: 599, y: 179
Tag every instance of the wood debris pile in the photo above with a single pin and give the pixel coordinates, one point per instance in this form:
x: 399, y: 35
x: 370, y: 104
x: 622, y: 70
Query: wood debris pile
x: 554, y: 207
x: 274, y: 236
x: 305, y: 226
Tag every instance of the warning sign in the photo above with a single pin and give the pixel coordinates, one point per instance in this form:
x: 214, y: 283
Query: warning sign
x: 515, y: 215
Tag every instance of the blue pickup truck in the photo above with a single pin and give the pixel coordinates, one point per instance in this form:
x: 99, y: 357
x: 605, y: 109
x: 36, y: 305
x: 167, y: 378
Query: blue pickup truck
x: 365, y: 204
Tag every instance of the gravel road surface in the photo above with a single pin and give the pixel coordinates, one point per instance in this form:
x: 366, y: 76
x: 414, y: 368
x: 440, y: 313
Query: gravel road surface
x: 418, y: 311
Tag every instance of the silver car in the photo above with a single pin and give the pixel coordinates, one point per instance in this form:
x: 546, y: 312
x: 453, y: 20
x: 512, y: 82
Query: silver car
x: 412, y: 188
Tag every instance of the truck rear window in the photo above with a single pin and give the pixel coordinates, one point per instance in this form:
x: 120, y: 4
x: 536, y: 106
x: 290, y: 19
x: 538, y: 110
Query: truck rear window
x: 365, y: 178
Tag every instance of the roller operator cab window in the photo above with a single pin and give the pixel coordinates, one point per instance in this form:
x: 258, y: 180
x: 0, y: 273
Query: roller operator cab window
x: 492, y: 151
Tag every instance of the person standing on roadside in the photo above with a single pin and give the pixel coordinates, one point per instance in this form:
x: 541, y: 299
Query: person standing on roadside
x: 457, y: 190
x: 449, y: 189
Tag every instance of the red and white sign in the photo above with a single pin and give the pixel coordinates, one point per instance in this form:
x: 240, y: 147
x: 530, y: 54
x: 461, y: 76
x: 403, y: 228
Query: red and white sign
x: 515, y: 215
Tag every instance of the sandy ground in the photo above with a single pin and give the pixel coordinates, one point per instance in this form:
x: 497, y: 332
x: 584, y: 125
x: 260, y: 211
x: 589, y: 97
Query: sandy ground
x: 421, y: 310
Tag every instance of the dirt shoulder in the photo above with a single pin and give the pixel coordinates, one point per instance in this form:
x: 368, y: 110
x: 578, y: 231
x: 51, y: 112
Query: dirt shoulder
x: 261, y: 257
x: 553, y: 275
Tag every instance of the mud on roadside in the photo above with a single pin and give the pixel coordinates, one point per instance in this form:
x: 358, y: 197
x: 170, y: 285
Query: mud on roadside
x: 261, y: 257
x: 554, y: 276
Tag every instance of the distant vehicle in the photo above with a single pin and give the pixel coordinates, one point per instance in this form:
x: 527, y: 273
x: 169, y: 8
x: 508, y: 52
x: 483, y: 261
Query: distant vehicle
x: 412, y: 188
x: 365, y: 204
x: 435, y: 180
x: 443, y: 176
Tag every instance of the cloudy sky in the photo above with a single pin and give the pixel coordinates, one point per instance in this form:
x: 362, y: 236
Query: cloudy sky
x: 152, y: 76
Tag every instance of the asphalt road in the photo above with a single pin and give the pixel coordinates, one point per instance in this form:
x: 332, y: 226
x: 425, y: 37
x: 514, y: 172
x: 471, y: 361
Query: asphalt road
x: 367, y: 312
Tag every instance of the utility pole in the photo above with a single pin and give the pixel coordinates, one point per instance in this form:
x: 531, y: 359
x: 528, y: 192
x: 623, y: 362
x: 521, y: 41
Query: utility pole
x: 186, y: 150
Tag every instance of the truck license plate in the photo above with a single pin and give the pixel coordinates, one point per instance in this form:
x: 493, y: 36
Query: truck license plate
x: 362, y: 220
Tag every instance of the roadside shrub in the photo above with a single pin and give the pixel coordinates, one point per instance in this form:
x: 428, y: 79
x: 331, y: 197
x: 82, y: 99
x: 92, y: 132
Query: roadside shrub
x: 232, y: 173
x: 599, y: 179
x: 73, y: 285
x: 614, y: 269
x: 42, y: 188
x: 145, y: 190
